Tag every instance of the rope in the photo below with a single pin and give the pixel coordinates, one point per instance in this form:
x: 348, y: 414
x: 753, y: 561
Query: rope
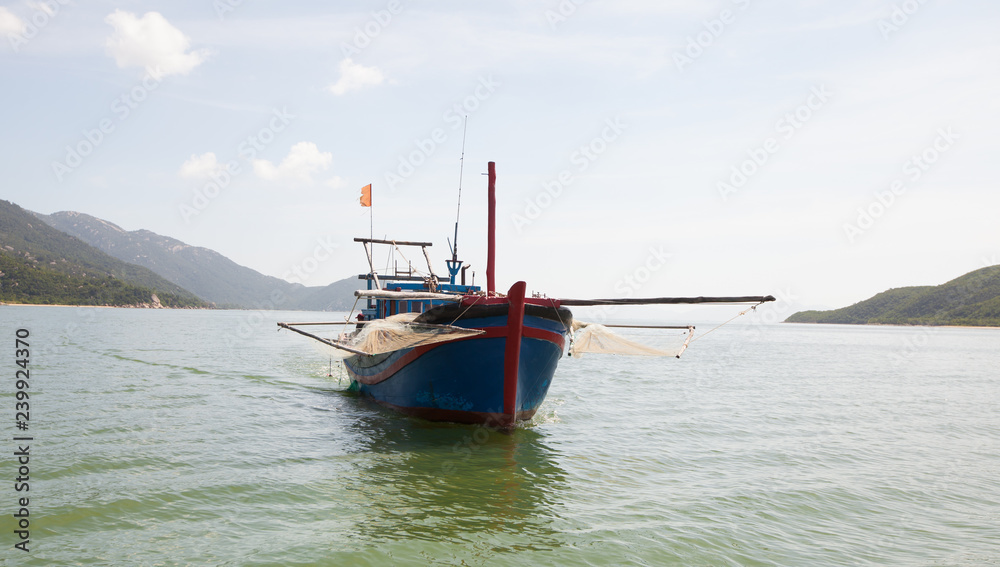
x: 741, y: 313
x: 403, y: 256
x: 409, y: 264
x: 561, y: 321
x: 466, y: 310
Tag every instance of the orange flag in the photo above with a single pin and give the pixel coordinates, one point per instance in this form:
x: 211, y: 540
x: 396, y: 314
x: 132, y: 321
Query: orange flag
x: 366, y: 195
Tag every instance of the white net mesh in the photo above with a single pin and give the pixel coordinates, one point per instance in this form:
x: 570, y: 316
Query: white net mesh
x: 398, y: 332
x: 598, y: 339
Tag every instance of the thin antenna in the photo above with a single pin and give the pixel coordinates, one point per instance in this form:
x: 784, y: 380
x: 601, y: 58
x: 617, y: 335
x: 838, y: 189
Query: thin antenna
x: 461, y: 170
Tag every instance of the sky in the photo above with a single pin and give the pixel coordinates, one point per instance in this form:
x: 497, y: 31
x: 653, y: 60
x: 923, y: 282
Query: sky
x: 818, y: 150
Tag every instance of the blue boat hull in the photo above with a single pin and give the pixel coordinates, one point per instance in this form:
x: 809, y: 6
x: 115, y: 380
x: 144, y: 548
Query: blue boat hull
x: 463, y: 380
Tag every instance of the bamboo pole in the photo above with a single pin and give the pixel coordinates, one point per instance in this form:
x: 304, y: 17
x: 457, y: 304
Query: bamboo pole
x: 318, y: 323
x: 371, y: 264
x: 396, y: 242
x: 430, y: 267
x: 401, y: 295
x: 652, y: 326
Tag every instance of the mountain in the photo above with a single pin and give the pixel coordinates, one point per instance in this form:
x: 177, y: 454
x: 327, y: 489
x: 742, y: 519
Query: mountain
x: 338, y: 296
x: 206, y: 273
x: 39, y: 264
x: 972, y: 299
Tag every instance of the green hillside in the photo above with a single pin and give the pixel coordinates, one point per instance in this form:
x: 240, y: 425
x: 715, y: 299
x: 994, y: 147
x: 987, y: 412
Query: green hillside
x: 206, y: 273
x: 973, y: 300
x: 39, y: 264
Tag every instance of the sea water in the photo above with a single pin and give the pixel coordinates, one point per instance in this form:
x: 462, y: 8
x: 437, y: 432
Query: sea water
x: 162, y: 437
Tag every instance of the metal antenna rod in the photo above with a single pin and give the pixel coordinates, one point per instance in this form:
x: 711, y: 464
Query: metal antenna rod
x: 461, y: 170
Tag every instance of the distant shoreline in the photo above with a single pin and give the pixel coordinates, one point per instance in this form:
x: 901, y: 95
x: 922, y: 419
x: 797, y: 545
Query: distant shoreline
x: 2, y: 304
x: 252, y: 309
x: 102, y: 306
x: 891, y: 325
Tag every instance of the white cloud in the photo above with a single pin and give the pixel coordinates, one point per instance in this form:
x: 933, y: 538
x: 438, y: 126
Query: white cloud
x: 301, y: 162
x: 336, y: 182
x: 200, y: 167
x: 355, y: 76
x: 152, y: 43
x: 9, y: 23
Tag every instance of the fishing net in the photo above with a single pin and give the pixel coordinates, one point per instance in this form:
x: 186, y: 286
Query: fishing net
x: 598, y: 339
x: 399, y: 332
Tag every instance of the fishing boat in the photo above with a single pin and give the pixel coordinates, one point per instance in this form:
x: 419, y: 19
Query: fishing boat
x: 443, y: 350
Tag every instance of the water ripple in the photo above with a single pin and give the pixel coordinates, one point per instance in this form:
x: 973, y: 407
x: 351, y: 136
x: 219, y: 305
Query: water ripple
x: 159, y: 441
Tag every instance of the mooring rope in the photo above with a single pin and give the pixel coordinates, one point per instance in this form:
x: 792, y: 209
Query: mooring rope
x: 466, y: 310
x: 740, y: 314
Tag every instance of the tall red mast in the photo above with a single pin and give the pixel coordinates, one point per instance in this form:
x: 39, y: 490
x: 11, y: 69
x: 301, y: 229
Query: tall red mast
x: 491, y: 251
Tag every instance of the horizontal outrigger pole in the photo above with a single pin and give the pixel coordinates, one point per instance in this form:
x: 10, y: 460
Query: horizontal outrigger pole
x: 411, y: 295
x: 393, y: 242
x: 746, y: 299
x: 688, y: 327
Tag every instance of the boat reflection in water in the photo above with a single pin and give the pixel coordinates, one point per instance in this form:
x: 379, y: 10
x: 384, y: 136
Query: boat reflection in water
x: 452, y: 484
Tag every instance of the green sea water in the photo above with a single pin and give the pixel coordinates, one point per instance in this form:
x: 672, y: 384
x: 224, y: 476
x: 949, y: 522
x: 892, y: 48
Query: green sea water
x: 208, y: 438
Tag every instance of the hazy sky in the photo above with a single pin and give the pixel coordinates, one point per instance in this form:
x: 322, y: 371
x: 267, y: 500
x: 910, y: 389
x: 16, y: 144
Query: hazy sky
x: 818, y: 149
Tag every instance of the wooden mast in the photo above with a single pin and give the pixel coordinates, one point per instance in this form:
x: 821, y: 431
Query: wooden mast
x: 491, y: 231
